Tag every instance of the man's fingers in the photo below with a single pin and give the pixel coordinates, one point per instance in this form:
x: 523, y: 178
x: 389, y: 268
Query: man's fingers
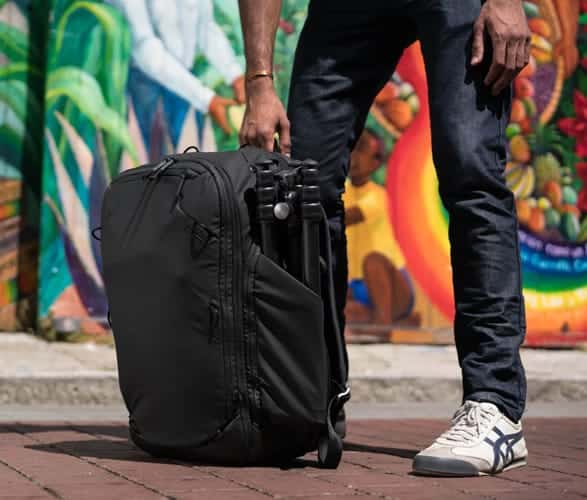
x: 514, y: 64
x: 498, y: 64
x: 264, y: 137
x: 504, y: 80
x: 285, y: 137
x: 242, y: 136
x: 527, y: 45
x: 268, y: 143
x: 478, y: 48
x: 510, y: 68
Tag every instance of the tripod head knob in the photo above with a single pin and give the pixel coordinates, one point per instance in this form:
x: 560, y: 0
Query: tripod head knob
x: 281, y: 210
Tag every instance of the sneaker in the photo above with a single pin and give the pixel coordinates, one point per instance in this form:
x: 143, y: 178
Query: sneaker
x: 481, y: 441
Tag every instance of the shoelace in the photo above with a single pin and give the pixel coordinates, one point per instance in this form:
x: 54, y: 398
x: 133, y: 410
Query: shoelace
x: 468, y: 422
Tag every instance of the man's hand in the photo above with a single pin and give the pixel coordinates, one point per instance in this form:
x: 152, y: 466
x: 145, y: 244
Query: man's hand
x: 265, y: 115
x: 217, y: 110
x: 568, y: 14
x: 506, y: 24
x: 238, y: 88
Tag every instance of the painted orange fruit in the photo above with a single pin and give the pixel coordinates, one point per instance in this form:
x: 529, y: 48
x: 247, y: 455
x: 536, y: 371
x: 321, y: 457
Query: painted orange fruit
x: 529, y: 70
x: 552, y: 190
x: 518, y: 111
x: 537, y: 221
x: 399, y: 113
x: 540, y: 27
x: 524, y: 211
x: 387, y: 93
x: 523, y: 87
x: 520, y: 149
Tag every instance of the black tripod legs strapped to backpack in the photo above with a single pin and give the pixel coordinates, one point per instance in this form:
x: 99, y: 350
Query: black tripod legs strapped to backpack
x: 298, y: 207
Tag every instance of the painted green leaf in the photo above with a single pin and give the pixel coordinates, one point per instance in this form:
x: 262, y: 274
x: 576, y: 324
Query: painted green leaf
x: 111, y: 70
x: 14, y: 70
x: 19, y: 70
x: 83, y: 89
x: 13, y: 42
x: 15, y: 94
x: 10, y: 119
x: 117, y: 47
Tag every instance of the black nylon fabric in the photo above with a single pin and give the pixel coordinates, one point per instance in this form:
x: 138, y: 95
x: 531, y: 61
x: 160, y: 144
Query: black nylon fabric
x: 221, y: 352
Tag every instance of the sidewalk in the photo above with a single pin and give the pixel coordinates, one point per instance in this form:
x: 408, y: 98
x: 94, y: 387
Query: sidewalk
x: 96, y: 461
x: 36, y: 372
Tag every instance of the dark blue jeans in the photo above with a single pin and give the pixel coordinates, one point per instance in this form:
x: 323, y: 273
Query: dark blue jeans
x: 347, y: 51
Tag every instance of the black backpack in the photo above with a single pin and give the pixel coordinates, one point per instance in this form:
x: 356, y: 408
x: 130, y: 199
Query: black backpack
x: 214, y: 281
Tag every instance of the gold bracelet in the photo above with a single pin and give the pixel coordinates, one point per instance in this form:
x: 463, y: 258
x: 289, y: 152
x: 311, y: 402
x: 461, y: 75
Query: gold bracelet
x: 260, y: 74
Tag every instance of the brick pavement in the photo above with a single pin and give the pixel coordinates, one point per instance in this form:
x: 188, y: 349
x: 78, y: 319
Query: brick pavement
x: 95, y: 461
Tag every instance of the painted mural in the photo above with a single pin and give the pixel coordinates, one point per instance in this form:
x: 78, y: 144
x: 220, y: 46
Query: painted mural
x: 124, y: 86
x: 546, y: 172
x: 21, y: 108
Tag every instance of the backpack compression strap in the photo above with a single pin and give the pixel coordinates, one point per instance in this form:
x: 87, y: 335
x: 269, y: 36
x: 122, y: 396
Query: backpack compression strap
x: 330, y: 446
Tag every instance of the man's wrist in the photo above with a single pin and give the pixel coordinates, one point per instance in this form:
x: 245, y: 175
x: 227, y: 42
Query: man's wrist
x: 259, y: 84
x: 259, y: 74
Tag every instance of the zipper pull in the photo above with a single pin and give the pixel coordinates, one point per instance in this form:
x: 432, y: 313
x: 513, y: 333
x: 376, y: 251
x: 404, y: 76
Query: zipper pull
x: 160, y: 168
x: 178, y: 194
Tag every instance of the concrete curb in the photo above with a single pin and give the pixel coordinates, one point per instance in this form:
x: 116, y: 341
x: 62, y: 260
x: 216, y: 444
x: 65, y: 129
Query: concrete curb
x: 371, y: 389
x: 102, y: 389
x: 98, y: 389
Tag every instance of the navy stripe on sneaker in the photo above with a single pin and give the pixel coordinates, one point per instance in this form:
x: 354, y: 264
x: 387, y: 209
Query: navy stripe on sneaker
x: 507, y: 454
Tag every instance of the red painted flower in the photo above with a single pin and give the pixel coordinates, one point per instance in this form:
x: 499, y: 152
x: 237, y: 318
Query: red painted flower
x: 581, y: 169
x: 584, y: 63
x: 577, y: 127
x: 582, y: 201
x: 583, y: 5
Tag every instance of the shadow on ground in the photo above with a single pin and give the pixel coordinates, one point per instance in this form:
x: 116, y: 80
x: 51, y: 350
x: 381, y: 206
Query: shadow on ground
x: 382, y: 450
x: 122, y: 449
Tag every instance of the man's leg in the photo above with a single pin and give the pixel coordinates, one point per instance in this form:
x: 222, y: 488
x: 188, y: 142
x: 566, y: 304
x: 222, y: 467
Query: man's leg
x: 346, y: 53
x: 469, y: 148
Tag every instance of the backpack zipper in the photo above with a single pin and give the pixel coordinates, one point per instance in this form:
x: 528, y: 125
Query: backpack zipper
x: 238, y: 287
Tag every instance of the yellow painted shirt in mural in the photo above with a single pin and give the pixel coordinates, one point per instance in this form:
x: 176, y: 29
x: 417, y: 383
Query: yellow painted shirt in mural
x: 374, y: 233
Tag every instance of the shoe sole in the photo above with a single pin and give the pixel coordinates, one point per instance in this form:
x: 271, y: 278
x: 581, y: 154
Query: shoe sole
x: 514, y: 465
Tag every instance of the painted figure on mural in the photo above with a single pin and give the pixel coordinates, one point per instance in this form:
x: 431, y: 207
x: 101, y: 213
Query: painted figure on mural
x: 380, y: 288
x: 167, y: 38
x: 568, y: 16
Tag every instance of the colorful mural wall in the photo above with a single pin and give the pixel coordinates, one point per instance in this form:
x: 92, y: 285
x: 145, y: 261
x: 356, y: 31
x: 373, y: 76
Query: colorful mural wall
x: 123, y: 86
x: 23, y: 28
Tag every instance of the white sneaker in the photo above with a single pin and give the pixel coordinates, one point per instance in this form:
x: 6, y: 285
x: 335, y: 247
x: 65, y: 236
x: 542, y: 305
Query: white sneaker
x: 481, y: 441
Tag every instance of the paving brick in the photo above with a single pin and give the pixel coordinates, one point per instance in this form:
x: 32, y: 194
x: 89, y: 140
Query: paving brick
x: 532, y: 493
x: 326, y: 496
x: 96, y: 461
x: 224, y: 495
x: 24, y: 496
x: 420, y: 492
x: 286, y: 483
x: 65, y: 474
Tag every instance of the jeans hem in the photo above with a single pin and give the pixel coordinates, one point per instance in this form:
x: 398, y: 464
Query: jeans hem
x: 514, y: 414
